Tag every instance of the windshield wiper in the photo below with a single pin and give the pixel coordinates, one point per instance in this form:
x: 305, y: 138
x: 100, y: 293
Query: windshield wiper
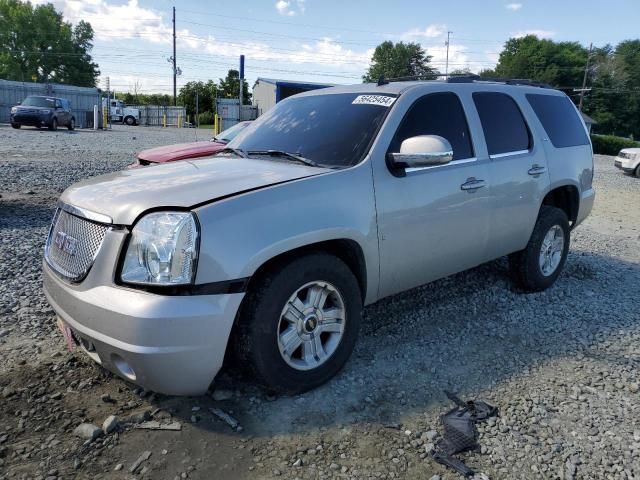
x: 281, y: 153
x: 237, y: 151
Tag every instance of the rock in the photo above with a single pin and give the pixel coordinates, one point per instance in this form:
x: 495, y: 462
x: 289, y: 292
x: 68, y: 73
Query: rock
x: 118, y: 467
x: 88, y: 431
x: 219, y: 395
x: 106, y: 398
x: 3, y: 331
x: 431, y: 434
x: 142, y: 458
x: 8, y: 392
x: 110, y: 424
x: 435, y: 477
x: 334, y: 466
x: 634, y: 387
x: 297, y: 463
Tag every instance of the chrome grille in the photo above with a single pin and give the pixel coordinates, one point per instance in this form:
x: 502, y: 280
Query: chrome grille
x: 73, y: 244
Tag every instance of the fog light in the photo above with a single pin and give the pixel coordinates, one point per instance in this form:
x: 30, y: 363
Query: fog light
x: 123, y: 367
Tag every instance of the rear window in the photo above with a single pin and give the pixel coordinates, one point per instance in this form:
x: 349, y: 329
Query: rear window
x: 559, y: 119
x: 504, y: 127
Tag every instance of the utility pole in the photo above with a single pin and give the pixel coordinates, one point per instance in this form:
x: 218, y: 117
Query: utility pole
x: 584, y: 79
x: 175, y: 69
x: 446, y: 68
x: 241, y: 75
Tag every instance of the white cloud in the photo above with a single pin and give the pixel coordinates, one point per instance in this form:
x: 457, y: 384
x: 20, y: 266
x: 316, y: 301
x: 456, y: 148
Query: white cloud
x: 537, y: 33
x: 431, y: 31
x: 290, y: 8
x: 514, y: 7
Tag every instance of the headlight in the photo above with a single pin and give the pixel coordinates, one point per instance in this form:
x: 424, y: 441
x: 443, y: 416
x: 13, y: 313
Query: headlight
x: 163, y: 250
x: 45, y: 111
x: 14, y: 109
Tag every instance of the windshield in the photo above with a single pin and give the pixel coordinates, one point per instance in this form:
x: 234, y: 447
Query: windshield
x: 230, y: 133
x: 334, y: 130
x: 39, y: 102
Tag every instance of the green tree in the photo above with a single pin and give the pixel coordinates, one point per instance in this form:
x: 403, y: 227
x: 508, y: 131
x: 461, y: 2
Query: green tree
x: 560, y: 64
x: 229, y: 87
x: 36, y: 44
x: 206, y: 93
x: 614, y: 101
x: 397, y: 60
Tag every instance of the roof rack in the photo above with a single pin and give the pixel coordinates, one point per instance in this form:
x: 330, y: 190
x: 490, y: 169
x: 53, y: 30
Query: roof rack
x: 507, y: 81
x: 466, y: 78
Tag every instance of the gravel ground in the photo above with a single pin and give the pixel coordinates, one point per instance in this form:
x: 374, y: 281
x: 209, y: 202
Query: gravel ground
x: 562, y: 365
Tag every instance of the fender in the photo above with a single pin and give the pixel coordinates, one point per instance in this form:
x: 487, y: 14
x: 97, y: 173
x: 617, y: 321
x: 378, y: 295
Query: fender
x: 241, y: 233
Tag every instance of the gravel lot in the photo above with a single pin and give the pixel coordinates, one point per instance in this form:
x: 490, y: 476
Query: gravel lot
x: 562, y: 365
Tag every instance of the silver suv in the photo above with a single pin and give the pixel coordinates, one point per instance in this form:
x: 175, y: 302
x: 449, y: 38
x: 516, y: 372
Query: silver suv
x: 330, y: 201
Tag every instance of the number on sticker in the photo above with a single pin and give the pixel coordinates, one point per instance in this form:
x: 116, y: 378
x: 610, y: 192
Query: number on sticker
x: 382, y: 100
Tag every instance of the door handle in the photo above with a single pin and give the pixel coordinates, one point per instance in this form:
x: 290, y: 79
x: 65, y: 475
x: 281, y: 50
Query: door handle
x: 473, y: 184
x: 536, y: 170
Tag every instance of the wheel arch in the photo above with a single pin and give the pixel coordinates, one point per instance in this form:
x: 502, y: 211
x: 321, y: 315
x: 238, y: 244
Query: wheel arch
x: 565, y: 197
x: 347, y: 250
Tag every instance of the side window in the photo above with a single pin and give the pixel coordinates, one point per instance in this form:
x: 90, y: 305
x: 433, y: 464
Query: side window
x: 505, y: 130
x: 58, y: 104
x: 437, y: 114
x: 559, y: 119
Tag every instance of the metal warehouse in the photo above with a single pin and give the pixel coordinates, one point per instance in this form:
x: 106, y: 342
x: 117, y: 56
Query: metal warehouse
x: 82, y: 98
x: 269, y: 91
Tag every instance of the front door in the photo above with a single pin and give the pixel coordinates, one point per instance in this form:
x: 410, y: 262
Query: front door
x: 432, y: 221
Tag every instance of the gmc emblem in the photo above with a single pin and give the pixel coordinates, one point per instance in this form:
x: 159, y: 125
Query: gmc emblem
x: 66, y: 243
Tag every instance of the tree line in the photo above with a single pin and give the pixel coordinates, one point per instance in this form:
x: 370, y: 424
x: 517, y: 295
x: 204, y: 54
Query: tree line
x: 613, y: 74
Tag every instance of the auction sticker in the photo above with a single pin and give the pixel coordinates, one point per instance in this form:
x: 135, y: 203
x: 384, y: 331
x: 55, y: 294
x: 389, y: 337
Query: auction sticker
x: 382, y: 100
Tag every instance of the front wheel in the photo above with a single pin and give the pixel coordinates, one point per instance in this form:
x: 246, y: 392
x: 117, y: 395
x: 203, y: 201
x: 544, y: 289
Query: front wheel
x: 637, y: 171
x: 72, y: 124
x: 130, y: 121
x: 538, y: 266
x: 299, y: 324
x: 15, y: 125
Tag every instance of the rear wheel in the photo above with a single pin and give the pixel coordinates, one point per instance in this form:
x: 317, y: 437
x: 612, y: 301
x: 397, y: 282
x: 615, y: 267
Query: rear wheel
x: 15, y: 125
x: 54, y: 124
x: 538, y: 266
x: 299, y: 324
x: 637, y: 171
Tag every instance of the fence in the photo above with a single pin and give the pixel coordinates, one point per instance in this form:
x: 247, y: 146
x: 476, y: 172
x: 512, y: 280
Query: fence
x: 227, y: 108
x: 82, y: 98
x: 152, y: 115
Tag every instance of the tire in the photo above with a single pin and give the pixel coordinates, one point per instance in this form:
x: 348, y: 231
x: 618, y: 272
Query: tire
x: 15, y: 125
x: 54, y: 124
x: 130, y: 121
x: 72, y: 124
x: 637, y: 171
x: 525, y: 265
x: 262, y: 324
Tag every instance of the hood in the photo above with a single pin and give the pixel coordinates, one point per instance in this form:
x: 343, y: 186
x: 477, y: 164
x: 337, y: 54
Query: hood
x: 180, y: 151
x: 124, y: 195
x: 28, y: 108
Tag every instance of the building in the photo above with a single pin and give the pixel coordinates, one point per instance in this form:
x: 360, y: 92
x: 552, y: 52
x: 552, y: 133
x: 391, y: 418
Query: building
x: 269, y: 91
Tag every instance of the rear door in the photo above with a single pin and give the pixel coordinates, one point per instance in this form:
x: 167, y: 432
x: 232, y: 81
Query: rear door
x: 517, y: 171
x: 432, y: 221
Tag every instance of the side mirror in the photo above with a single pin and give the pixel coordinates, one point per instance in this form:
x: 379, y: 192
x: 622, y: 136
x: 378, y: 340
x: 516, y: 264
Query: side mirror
x: 422, y: 151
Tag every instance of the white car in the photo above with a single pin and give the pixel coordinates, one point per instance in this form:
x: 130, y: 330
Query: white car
x: 628, y: 160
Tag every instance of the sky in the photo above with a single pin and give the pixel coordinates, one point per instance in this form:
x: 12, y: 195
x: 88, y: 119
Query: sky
x: 329, y: 41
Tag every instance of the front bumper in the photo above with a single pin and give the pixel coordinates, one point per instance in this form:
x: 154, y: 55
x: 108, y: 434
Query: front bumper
x: 627, y: 165
x: 30, y: 119
x: 168, y: 344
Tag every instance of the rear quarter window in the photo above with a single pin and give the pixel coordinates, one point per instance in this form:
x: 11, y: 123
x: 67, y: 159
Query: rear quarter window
x: 559, y: 119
